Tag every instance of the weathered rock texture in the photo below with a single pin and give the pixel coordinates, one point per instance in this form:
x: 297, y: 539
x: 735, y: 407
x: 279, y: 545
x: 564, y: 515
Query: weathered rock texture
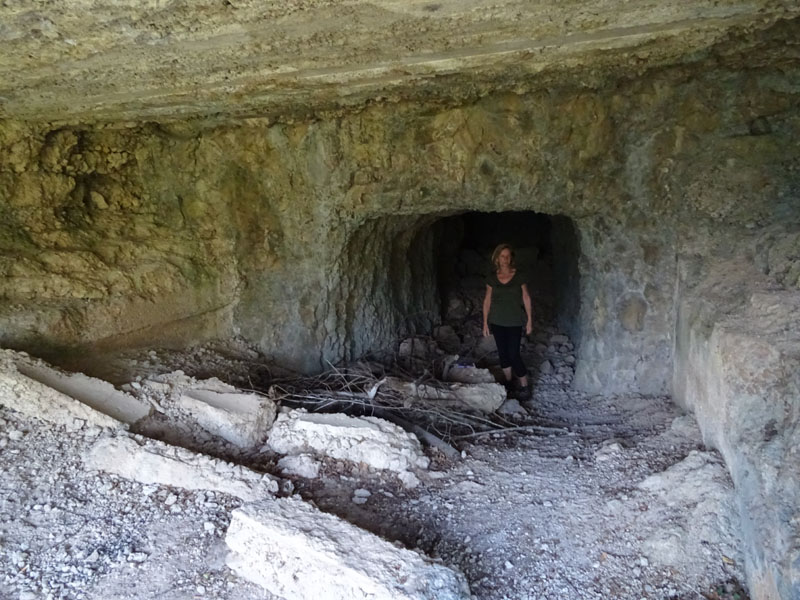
x: 662, y: 139
x: 701, y: 482
x: 96, y: 393
x: 113, y: 60
x: 373, y: 442
x: 738, y: 369
x: 242, y: 419
x: 151, y: 461
x: 36, y: 399
x: 296, y: 551
x: 481, y: 397
x: 315, y: 239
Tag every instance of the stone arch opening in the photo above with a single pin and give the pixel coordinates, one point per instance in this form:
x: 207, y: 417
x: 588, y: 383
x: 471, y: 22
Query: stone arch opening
x: 546, y: 249
x: 406, y: 275
x: 547, y: 252
x: 394, y: 273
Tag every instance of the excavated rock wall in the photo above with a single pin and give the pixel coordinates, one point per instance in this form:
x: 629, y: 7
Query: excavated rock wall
x: 737, y: 361
x: 105, y: 235
x: 738, y: 369
x: 316, y: 239
x: 737, y: 336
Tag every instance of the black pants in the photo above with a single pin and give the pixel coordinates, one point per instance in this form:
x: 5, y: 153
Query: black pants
x: 507, y: 340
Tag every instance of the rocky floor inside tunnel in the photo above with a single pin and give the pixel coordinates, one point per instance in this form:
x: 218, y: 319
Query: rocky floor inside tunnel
x: 577, y: 496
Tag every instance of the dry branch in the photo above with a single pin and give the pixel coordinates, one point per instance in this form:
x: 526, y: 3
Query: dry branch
x: 360, y: 392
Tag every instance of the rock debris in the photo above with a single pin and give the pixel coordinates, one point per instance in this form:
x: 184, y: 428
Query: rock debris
x: 614, y: 497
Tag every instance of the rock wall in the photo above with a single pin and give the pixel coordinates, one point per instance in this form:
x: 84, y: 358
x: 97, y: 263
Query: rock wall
x: 737, y: 343
x: 738, y: 369
x: 679, y: 193
x: 102, y: 237
x: 316, y: 239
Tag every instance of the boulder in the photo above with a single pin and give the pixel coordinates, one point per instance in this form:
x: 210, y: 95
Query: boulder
x: 374, y: 442
x: 240, y: 418
x: 297, y: 552
x: 154, y: 462
x: 483, y: 397
x: 447, y: 338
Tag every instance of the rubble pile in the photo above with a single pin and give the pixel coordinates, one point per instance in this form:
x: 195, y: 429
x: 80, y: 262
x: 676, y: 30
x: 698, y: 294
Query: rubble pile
x: 243, y: 421
x: 92, y: 508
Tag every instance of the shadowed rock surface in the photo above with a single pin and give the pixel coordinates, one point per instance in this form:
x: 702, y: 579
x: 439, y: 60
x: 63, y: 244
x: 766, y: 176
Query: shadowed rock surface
x: 306, y: 175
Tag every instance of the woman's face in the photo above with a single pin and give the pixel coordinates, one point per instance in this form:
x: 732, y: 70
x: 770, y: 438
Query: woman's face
x: 504, y: 258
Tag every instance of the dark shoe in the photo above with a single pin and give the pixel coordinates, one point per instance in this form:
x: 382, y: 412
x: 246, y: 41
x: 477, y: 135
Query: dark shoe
x: 524, y: 393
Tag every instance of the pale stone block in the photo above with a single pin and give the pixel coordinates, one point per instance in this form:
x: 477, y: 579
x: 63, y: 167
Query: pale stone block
x: 483, y: 397
x: 470, y: 375
x: 737, y: 368
x: 35, y: 399
x: 454, y: 372
x: 369, y: 440
x: 302, y: 465
x: 298, y: 552
x: 99, y: 394
x: 242, y: 419
x: 154, y: 462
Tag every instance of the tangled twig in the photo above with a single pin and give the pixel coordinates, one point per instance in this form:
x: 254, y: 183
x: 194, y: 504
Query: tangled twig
x: 359, y: 391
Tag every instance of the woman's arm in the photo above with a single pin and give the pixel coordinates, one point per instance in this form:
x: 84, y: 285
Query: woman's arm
x: 487, y: 304
x: 526, y: 301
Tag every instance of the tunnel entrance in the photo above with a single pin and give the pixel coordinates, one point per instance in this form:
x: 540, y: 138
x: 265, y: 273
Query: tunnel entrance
x: 546, y: 254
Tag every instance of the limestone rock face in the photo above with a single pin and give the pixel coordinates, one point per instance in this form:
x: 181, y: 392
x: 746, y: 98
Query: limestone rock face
x: 296, y: 551
x: 302, y: 204
x: 316, y: 239
x: 154, y: 61
x: 738, y: 370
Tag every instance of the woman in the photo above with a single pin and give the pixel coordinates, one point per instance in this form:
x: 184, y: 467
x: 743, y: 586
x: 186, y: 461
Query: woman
x: 506, y: 308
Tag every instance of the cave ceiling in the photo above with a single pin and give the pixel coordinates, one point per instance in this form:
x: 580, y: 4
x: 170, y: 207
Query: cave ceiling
x: 104, y: 60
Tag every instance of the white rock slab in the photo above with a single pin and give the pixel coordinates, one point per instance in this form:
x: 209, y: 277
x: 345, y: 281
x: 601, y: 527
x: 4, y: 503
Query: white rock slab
x: 701, y: 493
x: 483, y: 397
x: 35, y: 399
x: 154, y: 462
x: 242, y: 419
x: 368, y: 440
x: 302, y: 465
x: 460, y: 374
x: 454, y: 372
x: 512, y: 407
x: 99, y: 394
x: 298, y: 553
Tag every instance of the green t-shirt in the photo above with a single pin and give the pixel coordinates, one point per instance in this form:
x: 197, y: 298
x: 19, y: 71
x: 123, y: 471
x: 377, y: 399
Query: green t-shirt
x: 507, y: 308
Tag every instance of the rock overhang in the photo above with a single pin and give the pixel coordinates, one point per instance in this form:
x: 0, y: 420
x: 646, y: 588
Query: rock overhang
x: 108, y: 61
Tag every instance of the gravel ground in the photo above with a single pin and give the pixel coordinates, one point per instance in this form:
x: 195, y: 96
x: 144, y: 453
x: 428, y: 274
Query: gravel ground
x: 593, y: 497
x: 530, y: 515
